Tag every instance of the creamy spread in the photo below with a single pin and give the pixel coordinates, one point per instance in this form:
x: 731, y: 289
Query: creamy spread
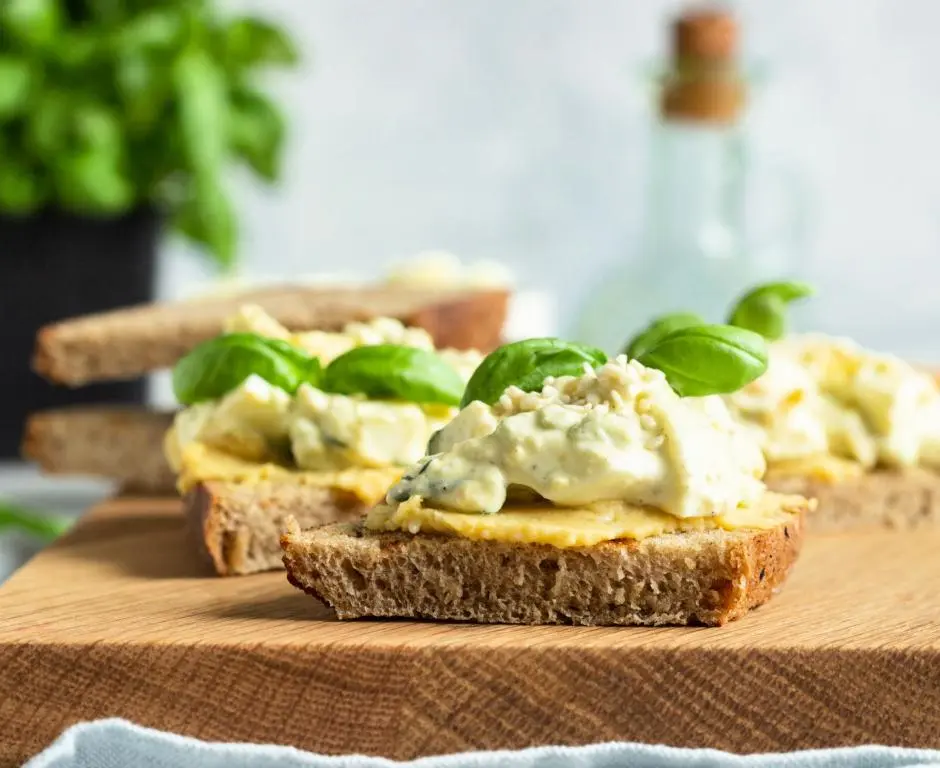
x: 200, y: 463
x: 826, y: 396
x: 327, y: 345
x: 618, y: 433
x: 314, y: 430
x: 542, y: 523
x: 251, y: 422
x: 334, y: 431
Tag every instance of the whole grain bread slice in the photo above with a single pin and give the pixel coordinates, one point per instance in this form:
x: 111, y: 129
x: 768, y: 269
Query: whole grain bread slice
x: 119, y: 443
x: 126, y: 343
x: 898, y: 499
x: 706, y: 577
x: 236, y: 525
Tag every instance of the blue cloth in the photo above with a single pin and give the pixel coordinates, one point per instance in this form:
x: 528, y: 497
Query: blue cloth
x: 119, y: 744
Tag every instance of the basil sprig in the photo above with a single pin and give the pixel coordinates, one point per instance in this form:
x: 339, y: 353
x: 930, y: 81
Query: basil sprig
x: 526, y: 364
x: 390, y: 371
x: 217, y: 366
x: 384, y: 371
x: 764, y: 309
x: 656, y: 330
x: 704, y: 360
x: 43, y: 526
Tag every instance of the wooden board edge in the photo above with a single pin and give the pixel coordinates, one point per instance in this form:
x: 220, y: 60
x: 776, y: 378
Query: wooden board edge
x: 404, y: 704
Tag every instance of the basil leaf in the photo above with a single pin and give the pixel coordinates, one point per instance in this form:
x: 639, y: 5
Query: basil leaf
x: 16, y: 82
x: 659, y: 328
x: 526, y: 364
x: 48, y: 124
x: 708, y: 359
x: 21, y: 189
x: 203, y: 112
x: 159, y: 28
x: 31, y: 22
x: 81, y: 48
x: 256, y: 132
x: 248, y: 42
x: 217, y: 366
x: 143, y: 84
x: 764, y: 309
x: 206, y: 216
x: 38, y: 524
x: 389, y: 371
x: 93, y: 182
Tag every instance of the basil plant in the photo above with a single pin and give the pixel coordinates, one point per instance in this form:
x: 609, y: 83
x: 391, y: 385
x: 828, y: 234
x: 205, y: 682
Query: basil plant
x: 109, y: 105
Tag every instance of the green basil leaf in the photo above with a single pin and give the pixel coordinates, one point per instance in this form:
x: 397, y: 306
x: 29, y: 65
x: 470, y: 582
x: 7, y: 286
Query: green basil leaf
x: 21, y: 189
x: 207, y: 217
x: 659, y: 328
x: 93, y: 182
x: 203, y: 106
x: 250, y: 42
x: 47, y: 129
x: 389, y: 371
x: 97, y: 127
x: 33, y: 22
x: 217, y: 366
x: 764, y: 309
x: 159, y: 28
x: 144, y: 88
x: 708, y: 359
x: 526, y: 364
x: 16, y: 83
x: 40, y: 524
x: 80, y: 48
x: 256, y: 132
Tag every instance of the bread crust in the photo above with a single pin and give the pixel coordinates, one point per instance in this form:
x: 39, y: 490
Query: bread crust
x: 235, y: 526
x: 707, y: 578
x: 898, y: 499
x: 120, y: 443
x: 129, y: 342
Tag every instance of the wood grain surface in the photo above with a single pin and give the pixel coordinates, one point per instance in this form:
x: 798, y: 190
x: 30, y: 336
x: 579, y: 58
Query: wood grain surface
x: 119, y: 619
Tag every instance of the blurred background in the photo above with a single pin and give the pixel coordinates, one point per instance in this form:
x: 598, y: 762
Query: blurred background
x: 520, y: 131
x: 617, y: 163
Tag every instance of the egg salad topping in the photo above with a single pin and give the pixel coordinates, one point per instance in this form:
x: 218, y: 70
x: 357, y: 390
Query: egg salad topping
x: 617, y: 433
x: 327, y: 345
x: 314, y: 430
x: 829, y: 396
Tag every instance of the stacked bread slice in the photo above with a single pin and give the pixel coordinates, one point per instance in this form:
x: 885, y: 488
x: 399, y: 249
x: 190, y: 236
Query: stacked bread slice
x: 126, y: 444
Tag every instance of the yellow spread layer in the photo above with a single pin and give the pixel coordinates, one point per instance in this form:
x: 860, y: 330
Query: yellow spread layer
x: 200, y: 463
x: 823, y: 467
x: 573, y: 527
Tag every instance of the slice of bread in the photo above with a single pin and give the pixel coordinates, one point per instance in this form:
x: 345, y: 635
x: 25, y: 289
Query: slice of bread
x: 706, y: 577
x: 236, y: 526
x: 122, y: 444
x: 899, y: 499
x: 129, y: 342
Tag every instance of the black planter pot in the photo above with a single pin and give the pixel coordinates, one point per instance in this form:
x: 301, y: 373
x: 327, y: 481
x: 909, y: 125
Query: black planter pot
x: 54, y: 266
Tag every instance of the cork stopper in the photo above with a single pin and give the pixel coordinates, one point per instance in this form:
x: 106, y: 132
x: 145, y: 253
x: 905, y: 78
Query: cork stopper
x: 703, y: 83
x: 705, y: 35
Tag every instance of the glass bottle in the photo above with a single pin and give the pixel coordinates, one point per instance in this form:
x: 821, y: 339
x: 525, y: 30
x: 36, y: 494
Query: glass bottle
x: 703, y: 239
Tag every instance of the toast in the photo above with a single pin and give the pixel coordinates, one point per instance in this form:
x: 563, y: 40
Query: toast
x: 123, y: 444
x: 899, y: 499
x: 709, y: 577
x: 236, y: 526
x: 127, y: 343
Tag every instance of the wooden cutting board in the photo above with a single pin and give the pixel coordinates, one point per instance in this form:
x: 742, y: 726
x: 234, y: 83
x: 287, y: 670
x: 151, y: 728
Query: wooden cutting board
x: 118, y: 619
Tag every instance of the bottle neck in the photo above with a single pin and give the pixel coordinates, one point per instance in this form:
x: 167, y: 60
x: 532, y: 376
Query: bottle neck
x: 714, y: 97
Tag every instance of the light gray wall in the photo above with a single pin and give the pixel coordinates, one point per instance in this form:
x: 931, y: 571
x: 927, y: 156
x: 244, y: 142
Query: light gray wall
x: 513, y: 129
